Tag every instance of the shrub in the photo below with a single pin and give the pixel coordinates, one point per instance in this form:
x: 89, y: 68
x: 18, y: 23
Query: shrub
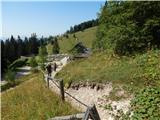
x: 42, y: 66
x: 32, y: 62
x: 42, y: 51
x: 74, y: 36
x: 10, y: 76
x: 66, y: 35
x: 34, y: 70
x: 149, y: 62
x: 146, y: 104
x: 18, y: 63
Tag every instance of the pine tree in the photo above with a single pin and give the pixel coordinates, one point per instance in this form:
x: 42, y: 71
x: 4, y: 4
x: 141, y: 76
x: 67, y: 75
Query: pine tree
x: 11, y: 50
x: 3, y: 58
x: 20, y: 46
x: 55, y: 46
x: 33, y: 44
x: 26, y: 46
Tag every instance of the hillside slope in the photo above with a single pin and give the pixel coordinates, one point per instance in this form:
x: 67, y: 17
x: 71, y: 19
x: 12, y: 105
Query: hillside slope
x: 86, y: 37
x: 105, y: 67
x: 32, y: 100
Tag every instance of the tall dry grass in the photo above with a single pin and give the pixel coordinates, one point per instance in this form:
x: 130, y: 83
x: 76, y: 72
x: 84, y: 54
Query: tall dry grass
x: 32, y: 100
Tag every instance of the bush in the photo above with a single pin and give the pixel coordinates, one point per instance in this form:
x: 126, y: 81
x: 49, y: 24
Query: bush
x: 74, y: 36
x: 146, y: 104
x: 10, y: 76
x: 149, y: 62
x: 66, y: 35
x: 42, y: 51
x: 18, y: 63
x: 42, y: 66
x: 32, y: 62
x: 34, y: 70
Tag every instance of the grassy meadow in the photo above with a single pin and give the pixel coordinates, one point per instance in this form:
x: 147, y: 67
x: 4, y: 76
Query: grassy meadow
x: 105, y: 67
x: 32, y: 100
x: 86, y: 37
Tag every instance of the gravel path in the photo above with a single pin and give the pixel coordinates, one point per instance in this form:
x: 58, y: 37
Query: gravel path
x: 90, y: 96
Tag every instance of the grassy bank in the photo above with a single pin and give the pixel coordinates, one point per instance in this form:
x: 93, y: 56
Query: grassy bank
x: 105, y: 67
x: 86, y: 37
x: 18, y: 81
x: 32, y: 101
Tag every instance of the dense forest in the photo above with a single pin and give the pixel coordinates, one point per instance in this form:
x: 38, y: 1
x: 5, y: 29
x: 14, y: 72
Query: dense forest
x: 127, y: 27
x: 82, y: 26
x: 12, y: 49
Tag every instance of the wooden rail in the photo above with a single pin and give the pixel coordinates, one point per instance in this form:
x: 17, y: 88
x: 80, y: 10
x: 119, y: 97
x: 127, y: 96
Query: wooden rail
x: 62, y: 90
x: 91, y: 112
x: 78, y: 116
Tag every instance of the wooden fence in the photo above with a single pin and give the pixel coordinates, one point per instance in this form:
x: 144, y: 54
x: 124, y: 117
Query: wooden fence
x: 90, y: 113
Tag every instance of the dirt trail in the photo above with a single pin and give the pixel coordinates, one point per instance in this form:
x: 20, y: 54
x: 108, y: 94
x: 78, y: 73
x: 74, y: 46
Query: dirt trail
x: 90, y: 96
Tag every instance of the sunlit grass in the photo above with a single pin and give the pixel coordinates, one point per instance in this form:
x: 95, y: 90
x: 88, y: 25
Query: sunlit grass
x: 104, y: 67
x: 86, y: 37
x: 32, y: 100
x: 17, y: 82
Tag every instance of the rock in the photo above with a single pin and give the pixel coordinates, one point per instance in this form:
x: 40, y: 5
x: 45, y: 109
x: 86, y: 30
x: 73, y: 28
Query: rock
x: 97, y: 87
x: 83, y: 85
x: 114, y: 107
x: 75, y: 86
x: 101, y: 87
x: 92, y: 85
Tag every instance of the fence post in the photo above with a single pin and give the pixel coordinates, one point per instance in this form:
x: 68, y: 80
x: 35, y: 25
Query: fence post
x: 62, y: 90
x: 94, y: 113
x: 86, y: 115
x: 47, y: 81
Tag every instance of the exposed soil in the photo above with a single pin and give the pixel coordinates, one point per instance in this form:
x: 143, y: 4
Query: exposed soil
x: 93, y: 93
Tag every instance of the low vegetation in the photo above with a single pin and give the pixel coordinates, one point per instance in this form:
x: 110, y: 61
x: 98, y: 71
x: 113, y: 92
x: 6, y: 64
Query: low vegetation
x: 12, y: 82
x: 32, y: 100
x: 106, y: 67
x: 18, y: 63
x: 146, y: 104
x: 66, y: 43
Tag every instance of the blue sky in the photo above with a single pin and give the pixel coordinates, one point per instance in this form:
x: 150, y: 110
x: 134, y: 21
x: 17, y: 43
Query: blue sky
x: 45, y: 18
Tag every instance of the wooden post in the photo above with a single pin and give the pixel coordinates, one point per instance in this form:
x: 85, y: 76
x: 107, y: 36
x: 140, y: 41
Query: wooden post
x: 94, y: 113
x: 62, y: 90
x: 86, y: 115
x: 47, y: 81
x: 78, y: 116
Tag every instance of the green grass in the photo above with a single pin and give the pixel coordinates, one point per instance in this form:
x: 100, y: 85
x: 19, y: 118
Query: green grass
x: 105, y: 67
x: 115, y: 96
x: 32, y: 100
x: 86, y: 37
x: 18, y: 81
